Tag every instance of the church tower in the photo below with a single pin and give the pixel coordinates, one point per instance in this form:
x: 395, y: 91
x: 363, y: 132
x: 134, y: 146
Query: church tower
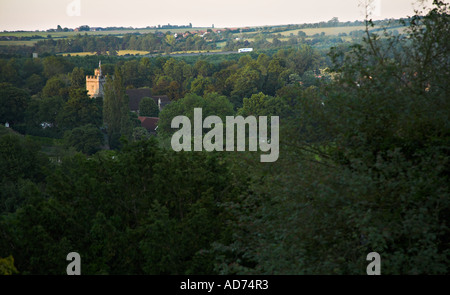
x: 94, y: 84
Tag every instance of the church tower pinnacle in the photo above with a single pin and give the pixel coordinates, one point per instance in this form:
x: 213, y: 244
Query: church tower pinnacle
x: 94, y: 84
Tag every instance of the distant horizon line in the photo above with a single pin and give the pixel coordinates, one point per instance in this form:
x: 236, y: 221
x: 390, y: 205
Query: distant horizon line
x: 155, y: 27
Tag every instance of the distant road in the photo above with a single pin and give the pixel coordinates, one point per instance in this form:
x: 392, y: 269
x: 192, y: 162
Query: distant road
x: 191, y: 54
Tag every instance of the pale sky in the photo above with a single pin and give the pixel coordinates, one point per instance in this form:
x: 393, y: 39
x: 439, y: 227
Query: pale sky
x: 45, y: 14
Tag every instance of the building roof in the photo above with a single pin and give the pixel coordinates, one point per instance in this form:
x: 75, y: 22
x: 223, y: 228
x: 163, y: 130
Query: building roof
x: 136, y: 95
x: 149, y: 123
x: 164, y: 99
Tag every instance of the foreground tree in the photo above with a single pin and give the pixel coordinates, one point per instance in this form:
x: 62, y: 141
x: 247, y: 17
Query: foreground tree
x: 141, y: 210
x: 21, y: 165
x: 86, y: 139
x: 79, y: 110
x: 13, y: 102
x: 363, y: 167
x: 116, y: 110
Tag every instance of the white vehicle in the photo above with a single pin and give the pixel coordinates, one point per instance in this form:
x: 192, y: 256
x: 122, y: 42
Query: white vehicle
x: 241, y: 50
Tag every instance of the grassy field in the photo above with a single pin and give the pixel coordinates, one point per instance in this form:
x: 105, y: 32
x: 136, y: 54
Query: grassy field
x: 327, y: 31
x: 120, y: 53
x: 98, y: 33
x: 78, y: 53
x: 136, y: 52
x: 333, y: 31
x: 18, y: 42
x: 195, y: 51
x: 119, y: 33
x: 309, y: 32
x: 57, y: 35
x: 221, y: 44
x: 268, y: 39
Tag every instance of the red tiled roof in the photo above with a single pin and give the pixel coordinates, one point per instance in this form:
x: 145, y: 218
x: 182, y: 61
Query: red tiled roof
x: 149, y: 123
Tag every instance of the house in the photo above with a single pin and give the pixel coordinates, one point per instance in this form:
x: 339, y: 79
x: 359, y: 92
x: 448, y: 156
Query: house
x: 149, y: 123
x: 136, y: 95
x: 161, y: 100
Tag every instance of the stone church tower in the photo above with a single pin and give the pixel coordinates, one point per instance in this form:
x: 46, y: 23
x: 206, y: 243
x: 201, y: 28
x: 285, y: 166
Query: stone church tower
x: 94, y: 84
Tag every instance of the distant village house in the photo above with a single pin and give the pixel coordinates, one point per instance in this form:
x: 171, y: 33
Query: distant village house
x: 135, y: 96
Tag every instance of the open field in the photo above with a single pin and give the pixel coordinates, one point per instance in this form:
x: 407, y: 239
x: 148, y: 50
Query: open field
x: 312, y: 31
x: 138, y: 52
x: 119, y: 33
x: 221, y: 44
x: 132, y: 52
x: 63, y: 35
x: 120, y: 53
x: 195, y: 51
x: 18, y: 42
x: 78, y: 53
x: 334, y: 30
x: 308, y: 31
x: 327, y: 31
x: 268, y: 39
x: 98, y: 33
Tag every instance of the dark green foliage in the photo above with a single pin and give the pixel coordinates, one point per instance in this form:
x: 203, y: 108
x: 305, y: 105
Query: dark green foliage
x: 142, y: 210
x: 54, y: 65
x: 13, y: 102
x: 79, y: 110
x: 211, y: 104
x: 234, y: 75
x: 21, y: 166
x: 56, y: 86
x: 262, y: 105
x: 116, y: 114
x: 87, y: 139
x: 140, y: 133
x: 34, y: 83
x: 148, y: 107
x: 363, y: 167
x: 49, y: 108
x: 78, y: 78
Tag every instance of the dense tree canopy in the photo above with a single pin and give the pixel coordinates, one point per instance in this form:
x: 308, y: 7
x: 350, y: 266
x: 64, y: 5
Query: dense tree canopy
x: 212, y: 104
x: 148, y: 107
x: 13, y: 103
x: 115, y: 110
x: 363, y: 163
x: 87, y: 139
